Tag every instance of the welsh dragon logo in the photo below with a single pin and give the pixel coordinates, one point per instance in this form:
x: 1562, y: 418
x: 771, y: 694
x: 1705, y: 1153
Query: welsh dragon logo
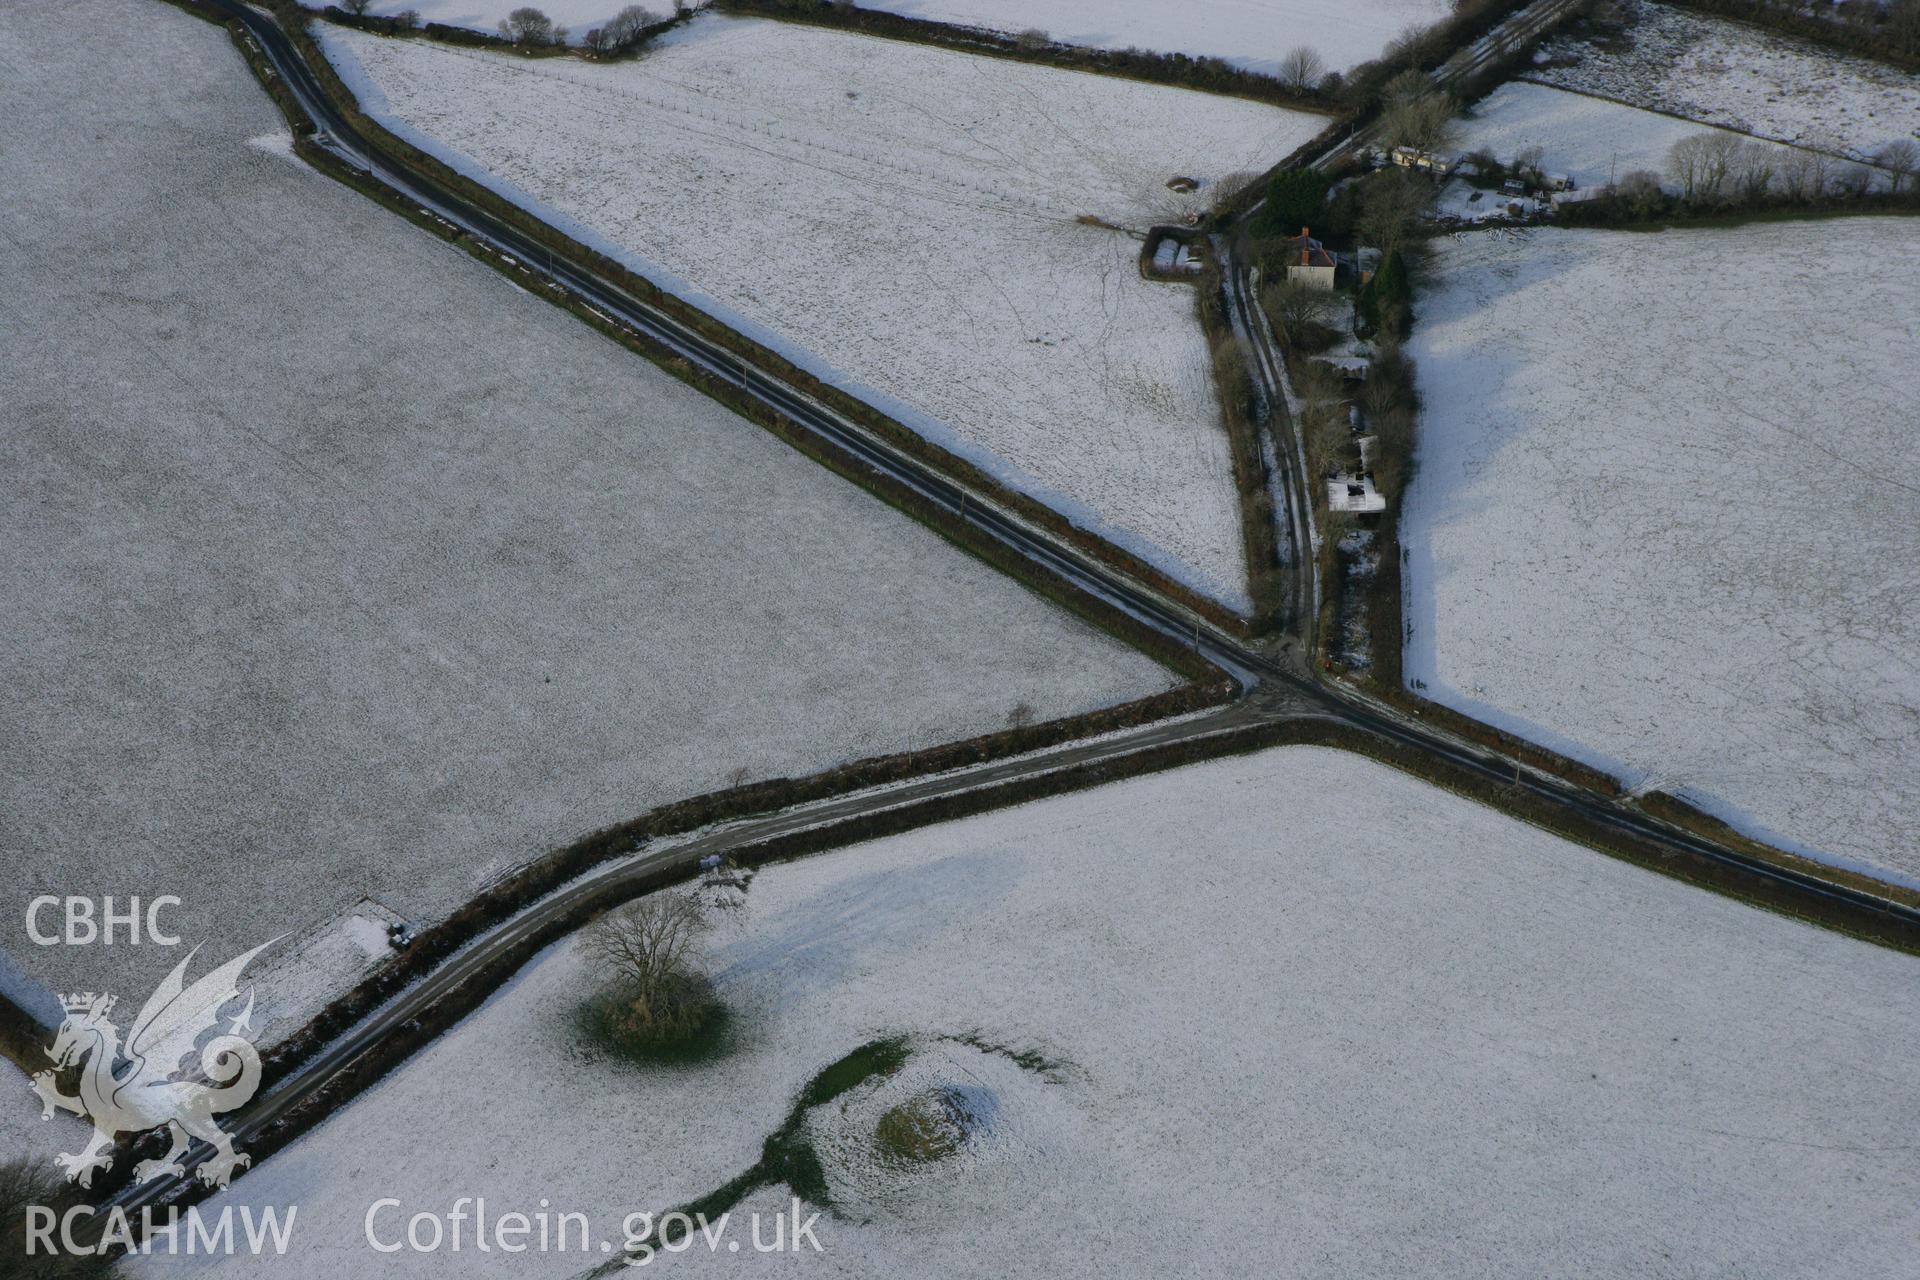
x: 137, y: 1085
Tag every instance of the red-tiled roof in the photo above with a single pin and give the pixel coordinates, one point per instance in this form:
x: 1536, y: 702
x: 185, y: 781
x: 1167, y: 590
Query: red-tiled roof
x: 1304, y: 251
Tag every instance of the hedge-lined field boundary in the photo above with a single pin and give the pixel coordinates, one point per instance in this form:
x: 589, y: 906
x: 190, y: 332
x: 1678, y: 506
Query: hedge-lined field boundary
x: 1179, y: 70
x: 1876, y: 41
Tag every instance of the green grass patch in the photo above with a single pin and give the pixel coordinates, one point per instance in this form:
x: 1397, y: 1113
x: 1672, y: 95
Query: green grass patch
x: 710, y: 1032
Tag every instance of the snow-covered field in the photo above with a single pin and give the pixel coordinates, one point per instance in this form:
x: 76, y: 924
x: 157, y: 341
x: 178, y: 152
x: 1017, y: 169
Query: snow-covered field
x: 1667, y: 514
x: 903, y: 220
x: 1731, y: 74
x: 1254, y: 34
x: 1304, y: 1015
x: 337, y: 566
x: 1591, y: 139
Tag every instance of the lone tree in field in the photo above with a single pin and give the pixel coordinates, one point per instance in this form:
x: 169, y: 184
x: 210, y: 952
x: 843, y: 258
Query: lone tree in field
x: 529, y: 26
x: 651, y: 948
x: 1301, y: 70
x: 356, y: 7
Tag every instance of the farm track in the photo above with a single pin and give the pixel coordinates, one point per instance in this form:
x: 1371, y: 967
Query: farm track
x: 1277, y: 687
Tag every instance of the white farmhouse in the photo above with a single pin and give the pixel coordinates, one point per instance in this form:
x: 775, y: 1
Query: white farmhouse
x: 1304, y: 259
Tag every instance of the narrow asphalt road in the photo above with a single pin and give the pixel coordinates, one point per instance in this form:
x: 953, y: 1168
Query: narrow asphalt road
x: 1275, y: 687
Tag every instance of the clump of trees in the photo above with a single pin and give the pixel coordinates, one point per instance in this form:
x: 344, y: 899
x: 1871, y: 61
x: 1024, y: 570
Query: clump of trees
x: 659, y: 998
x: 1384, y: 306
x: 1717, y: 171
x: 1415, y: 114
x: 531, y: 29
x: 1390, y: 405
x: 1422, y: 48
x: 623, y: 32
x: 1302, y: 314
x: 360, y: 11
x: 1295, y: 198
x: 1387, y: 205
x: 1326, y: 424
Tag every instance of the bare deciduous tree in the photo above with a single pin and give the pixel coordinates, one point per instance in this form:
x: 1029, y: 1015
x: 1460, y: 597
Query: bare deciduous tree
x: 1298, y: 309
x: 1685, y: 159
x: 529, y: 26
x: 356, y: 7
x: 1301, y: 69
x: 1328, y: 433
x: 1804, y: 174
x: 1639, y: 190
x: 1702, y: 164
x: 649, y: 945
x: 1021, y: 716
x: 625, y: 26
x: 1389, y: 203
x: 1851, y: 180
x: 1408, y: 86
x: 1901, y: 159
x: 1230, y: 368
x: 1425, y: 123
x: 1412, y: 47
x: 1526, y: 164
x: 1752, y: 170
